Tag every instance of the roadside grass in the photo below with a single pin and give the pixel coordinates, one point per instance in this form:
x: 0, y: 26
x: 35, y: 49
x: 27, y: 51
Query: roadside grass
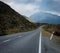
x: 57, y: 38
x: 45, y: 33
x: 48, y: 34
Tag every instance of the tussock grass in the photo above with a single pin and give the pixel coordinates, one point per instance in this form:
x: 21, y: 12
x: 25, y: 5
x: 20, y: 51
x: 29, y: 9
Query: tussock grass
x: 46, y: 34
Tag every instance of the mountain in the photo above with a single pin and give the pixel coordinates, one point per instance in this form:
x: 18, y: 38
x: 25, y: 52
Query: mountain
x: 13, y: 22
x: 43, y: 17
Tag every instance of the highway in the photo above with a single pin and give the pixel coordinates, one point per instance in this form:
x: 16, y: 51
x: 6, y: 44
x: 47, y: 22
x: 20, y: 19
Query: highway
x: 27, y: 42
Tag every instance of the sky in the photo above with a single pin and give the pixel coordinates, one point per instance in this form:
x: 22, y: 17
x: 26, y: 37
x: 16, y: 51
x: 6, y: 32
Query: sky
x: 30, y: 7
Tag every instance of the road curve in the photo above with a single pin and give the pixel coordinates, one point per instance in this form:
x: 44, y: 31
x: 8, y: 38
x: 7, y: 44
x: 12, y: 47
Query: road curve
x: 20, y: 43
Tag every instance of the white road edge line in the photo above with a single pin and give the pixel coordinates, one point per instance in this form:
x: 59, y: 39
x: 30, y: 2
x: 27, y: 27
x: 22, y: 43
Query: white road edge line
x: 40, y: 42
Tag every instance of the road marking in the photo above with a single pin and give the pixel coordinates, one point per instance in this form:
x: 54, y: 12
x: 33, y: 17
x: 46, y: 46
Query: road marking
x: 19, y: 36
x: 40, y: 42
x: 11, y: 39
x: 6, y: 40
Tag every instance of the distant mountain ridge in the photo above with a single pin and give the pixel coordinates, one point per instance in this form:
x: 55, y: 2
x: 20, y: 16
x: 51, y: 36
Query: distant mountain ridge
x: 43, y: 17
x: 13, y: 22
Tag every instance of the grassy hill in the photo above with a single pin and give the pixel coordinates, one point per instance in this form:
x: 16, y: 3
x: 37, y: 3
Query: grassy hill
x: 13, y: 22
x: 52, y: 27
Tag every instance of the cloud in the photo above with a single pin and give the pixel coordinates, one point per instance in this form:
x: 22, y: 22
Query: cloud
x: 38, y: 0
x: 24, y: 9
x: 7, y: 1
x: 29, y: 7
x: 51, y: 12
x: 56, y: 0
x: 28, y: 1
x: 25, y: 1
x: 50, y: 5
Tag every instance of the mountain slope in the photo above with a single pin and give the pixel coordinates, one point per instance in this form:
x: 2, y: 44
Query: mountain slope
x: 13, y: 22
x: 43, y: 17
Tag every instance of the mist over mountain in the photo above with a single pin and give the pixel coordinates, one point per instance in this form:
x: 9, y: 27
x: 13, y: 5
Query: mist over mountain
x: 42, y: 17
x: 13, y: 22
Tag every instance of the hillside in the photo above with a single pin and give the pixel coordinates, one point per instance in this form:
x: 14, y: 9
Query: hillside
x: 43, y: 17
x: 13, y: 22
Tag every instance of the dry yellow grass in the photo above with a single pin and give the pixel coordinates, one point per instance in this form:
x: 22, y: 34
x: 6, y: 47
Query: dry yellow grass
x: 45, y: 33
x: 57, y: 40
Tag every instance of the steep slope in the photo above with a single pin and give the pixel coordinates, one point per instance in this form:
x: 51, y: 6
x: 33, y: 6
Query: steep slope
x: 43, y: 17
x: 13, y: 22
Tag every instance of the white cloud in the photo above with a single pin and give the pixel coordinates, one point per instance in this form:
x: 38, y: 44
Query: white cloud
x: 7, y: 1
x: 24, y: 9
x: 28, y: 9
x: 56, y: 0
x: 38, y: 0
x: 54, y: 13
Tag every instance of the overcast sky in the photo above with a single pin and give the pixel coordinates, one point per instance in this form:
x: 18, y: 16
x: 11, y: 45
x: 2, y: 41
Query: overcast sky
x: 29, y: 7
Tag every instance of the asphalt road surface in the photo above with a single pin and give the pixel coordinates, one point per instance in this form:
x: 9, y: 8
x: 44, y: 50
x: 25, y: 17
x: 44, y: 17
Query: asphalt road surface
x: 27, y: 42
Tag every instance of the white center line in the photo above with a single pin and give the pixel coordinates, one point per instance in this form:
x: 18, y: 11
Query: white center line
x: 11, y: 39
x: 7, y: 40
x: 19, y: 36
